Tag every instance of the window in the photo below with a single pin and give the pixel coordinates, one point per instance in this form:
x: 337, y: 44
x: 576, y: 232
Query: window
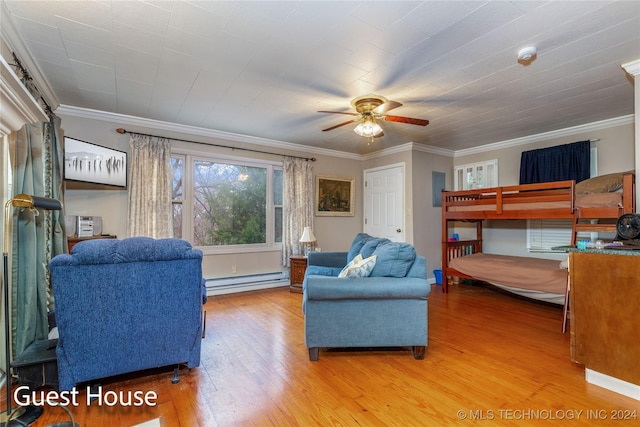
x: 227, y: 204
x: 476, y: 175
x: 544, y: 234
x: 277, y: 204
x: 177, y: 194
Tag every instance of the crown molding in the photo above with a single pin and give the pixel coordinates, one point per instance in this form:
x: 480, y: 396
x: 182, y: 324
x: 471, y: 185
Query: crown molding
x: 632, y: 67
x: 409, y: 146
x: 12, y: 39
x: 434, y: 150
x: 387, y: 151
x: 125, y: 120
x: 589, y: 127
x: 18, y: 106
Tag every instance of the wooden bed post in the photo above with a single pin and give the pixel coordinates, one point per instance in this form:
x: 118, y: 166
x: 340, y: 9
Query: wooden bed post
x: 445, y: 238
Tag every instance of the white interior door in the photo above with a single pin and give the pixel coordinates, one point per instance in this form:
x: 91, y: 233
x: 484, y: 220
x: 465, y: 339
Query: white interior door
x: 384, y: 202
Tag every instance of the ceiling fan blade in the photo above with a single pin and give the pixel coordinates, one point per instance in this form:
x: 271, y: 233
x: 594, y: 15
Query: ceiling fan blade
x: 409, y: 120
x: 339, y: 112
x: 341, y: 124
x: 387, y: 106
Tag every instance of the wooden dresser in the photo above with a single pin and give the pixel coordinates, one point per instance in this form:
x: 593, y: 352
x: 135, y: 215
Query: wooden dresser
x: 604, y: 301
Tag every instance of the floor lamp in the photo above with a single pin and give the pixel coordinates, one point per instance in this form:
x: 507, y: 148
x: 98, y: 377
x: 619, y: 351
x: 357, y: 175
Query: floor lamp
x: 34, y: 203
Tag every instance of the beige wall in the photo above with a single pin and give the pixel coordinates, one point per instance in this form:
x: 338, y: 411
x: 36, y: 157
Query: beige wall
x: 427, y: 219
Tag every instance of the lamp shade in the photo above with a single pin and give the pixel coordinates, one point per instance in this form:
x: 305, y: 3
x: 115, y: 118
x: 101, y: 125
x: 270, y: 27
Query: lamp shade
x: 30, y: 202
x: 307, y: 236
x: 37, y: 202
x: 368, y: 128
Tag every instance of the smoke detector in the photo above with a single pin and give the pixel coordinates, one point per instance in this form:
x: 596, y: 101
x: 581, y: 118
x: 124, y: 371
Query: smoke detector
x: 527, y: 54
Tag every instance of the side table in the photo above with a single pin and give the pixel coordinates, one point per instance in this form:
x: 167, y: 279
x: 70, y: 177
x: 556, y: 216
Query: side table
x: 296, y: 273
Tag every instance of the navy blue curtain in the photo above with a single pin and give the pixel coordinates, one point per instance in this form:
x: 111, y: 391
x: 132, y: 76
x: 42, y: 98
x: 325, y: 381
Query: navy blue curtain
x: 559, y: 163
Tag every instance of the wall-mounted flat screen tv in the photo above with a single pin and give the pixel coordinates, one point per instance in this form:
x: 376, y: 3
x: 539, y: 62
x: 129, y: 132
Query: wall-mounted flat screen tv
x: 92, y: 166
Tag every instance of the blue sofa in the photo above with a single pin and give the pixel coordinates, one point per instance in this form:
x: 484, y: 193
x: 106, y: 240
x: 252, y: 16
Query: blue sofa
x: 388, y: 308
x: 128, y: 305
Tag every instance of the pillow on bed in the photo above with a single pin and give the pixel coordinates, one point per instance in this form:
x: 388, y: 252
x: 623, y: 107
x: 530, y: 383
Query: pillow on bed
x: 564, y: 264
x: 601, y: 184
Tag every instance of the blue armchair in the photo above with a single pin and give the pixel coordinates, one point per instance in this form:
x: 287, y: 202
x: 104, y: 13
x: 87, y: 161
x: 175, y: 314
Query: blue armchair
x: 127, y: 305
x: 388, y: 308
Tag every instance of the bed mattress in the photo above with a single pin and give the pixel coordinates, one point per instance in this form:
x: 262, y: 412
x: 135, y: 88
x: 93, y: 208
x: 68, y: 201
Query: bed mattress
x: 547, y: 297
x: 532, y: 274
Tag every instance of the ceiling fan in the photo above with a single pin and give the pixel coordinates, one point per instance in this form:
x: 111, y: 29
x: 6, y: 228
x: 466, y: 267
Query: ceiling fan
x: 370, y: 109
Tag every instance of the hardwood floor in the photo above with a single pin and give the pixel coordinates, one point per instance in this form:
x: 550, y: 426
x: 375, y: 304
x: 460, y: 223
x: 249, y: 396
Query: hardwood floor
x: 493, y: 359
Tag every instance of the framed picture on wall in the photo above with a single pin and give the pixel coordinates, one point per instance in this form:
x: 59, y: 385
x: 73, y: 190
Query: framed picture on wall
x: 335, y: 196
x: 91, y: 166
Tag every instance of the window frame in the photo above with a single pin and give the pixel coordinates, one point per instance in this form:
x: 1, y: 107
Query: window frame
x: 190, y: 157
x: 489, y: 170
x: 181, y: 200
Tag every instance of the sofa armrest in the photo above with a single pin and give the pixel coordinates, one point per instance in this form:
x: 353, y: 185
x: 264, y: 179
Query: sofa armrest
x: 333, y: 288
x: 328, y: 259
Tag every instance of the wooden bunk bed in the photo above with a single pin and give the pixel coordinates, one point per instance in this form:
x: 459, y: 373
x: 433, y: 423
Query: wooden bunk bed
x: 549, y: 200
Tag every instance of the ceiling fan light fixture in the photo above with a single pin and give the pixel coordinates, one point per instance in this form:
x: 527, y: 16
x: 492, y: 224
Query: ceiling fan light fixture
x: 368, y: 128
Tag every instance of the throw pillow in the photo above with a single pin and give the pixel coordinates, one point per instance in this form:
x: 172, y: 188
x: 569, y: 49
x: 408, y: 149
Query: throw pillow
x: 357, y: 244
x: 359, y: 267
x: 370, y: 246
x: 394, y: 259
x: 351, y: 263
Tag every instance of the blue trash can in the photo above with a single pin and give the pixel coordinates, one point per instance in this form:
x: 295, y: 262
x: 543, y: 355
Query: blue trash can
x: 438, y: 274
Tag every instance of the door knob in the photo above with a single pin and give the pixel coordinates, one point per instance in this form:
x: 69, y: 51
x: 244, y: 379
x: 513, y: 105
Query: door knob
x: 398, y: 230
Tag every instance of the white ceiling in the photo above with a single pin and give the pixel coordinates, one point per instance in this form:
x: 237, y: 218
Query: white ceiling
x: 264, y: 68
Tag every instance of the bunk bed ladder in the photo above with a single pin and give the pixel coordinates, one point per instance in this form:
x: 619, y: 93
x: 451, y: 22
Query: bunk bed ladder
x: 584, y: 227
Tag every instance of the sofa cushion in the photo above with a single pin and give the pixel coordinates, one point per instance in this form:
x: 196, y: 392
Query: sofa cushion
x: 367, y: 288
x: 358, y: 267
x: 393, y: 259
x: 370, y: 246
x: 328, y: 259
x: 357, y: 244
x: 131, y: 249
x: 319, y: 270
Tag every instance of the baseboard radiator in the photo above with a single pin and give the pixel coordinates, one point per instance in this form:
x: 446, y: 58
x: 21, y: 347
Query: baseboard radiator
x: 250, y: 282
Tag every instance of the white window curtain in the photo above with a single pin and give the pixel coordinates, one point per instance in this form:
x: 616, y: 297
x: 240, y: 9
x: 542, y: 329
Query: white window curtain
x: 150, y: 187
x: 298, y: 205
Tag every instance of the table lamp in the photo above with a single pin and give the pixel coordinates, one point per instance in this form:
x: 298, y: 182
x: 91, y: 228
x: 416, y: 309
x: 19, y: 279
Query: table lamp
x: 307, y: 238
